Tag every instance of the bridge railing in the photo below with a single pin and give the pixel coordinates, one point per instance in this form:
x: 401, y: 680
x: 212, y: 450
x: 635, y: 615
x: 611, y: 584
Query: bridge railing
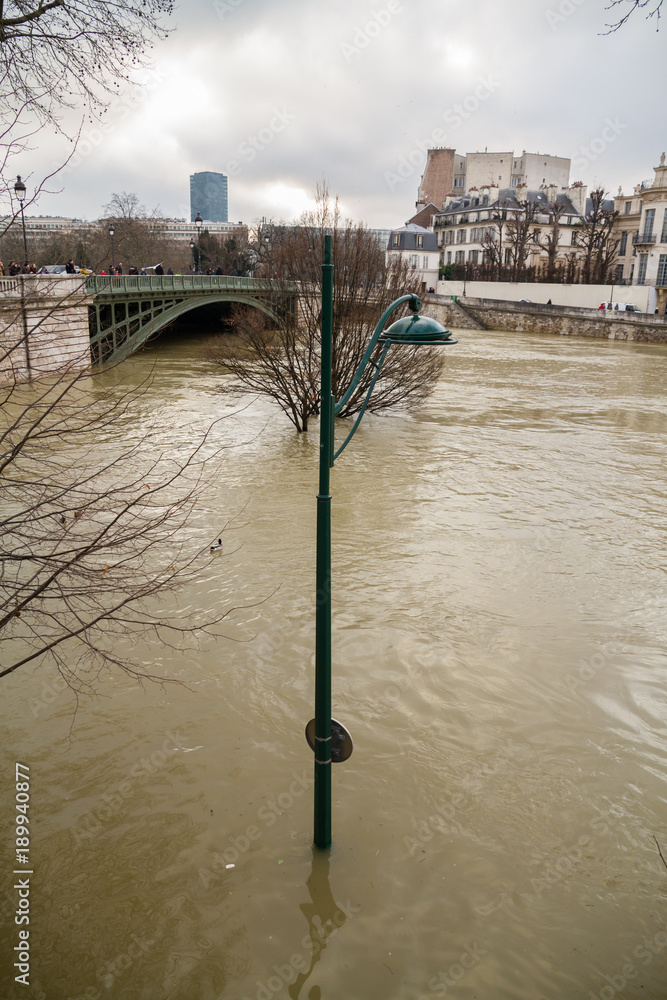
x: 175, y: 282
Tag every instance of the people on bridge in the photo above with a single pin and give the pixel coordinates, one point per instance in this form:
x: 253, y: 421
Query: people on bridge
x: 159, y: 269
x: 14, y: 268
x: 169, y: 271
x: 69, y: 266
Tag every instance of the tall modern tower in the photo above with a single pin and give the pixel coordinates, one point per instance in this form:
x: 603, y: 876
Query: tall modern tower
x: 208, y: 196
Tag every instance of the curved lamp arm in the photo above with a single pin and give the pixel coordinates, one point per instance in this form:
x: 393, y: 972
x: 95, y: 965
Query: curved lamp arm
x: 415, y: 305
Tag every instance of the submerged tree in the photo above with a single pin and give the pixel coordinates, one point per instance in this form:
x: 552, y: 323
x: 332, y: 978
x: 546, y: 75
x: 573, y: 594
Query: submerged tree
x: 94, y: 524
x: 280, y: 357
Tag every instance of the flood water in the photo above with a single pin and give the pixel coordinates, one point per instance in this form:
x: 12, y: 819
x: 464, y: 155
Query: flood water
x: 499, y: 641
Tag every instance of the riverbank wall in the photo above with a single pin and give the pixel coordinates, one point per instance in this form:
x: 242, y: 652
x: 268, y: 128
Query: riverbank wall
x: 564, y: 321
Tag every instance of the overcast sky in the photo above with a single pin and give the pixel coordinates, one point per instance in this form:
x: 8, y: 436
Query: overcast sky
x: 281, y: 94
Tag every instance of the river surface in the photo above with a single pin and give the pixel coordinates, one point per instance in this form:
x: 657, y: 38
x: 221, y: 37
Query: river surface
x: 499, y: 638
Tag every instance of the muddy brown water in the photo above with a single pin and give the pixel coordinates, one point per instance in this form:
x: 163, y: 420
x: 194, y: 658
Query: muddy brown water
x: 499, y: 656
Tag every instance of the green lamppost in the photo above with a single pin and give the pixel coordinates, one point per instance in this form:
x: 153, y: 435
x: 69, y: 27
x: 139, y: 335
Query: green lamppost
x: 332, y: 745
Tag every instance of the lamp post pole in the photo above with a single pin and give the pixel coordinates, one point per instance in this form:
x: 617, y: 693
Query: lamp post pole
x: 198, y: 224
x: 328, y: 744
x: 192, y: 251
x: 19, y: 189
x: 322, y: 804
x: 111, y: 234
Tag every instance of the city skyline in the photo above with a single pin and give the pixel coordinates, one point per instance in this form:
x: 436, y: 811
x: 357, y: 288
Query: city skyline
x: 313, y: 108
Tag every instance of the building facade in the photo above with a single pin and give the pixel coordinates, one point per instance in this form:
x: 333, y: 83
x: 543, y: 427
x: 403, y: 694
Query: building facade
x: 208, y: 196
x: 641, y: 227
x: 465, y: 225
x: 419, y: 247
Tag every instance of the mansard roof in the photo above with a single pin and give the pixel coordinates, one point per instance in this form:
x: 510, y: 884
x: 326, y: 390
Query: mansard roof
x: 407, y: 238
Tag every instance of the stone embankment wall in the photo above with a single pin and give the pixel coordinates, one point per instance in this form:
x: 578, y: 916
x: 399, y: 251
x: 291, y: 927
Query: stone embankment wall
x: 43, y: 326
x: 568, y: 321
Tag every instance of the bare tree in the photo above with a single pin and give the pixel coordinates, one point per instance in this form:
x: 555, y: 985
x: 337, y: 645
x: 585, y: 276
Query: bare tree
x: 60, y: 54
x: 281, y: 359
x: 550, y: 242
x: 597, y: 240
x: 652, y: 8
x: 520, y: 237
x: 94, y: 536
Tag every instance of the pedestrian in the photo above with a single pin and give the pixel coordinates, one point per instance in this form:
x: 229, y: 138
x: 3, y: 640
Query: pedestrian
x: 218, y: 270
x: 169, y: 271
x: 119, y: 269
x: 69, y: 267
x: 159, y: 269
x: 143, y: 270
x: 2, y: 268
x: 14, y: 268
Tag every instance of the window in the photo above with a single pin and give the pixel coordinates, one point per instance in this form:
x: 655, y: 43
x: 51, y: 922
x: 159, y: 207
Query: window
x: 536, y: 235
x: 460, y: 256
x: 414, y: 260
x: 473, y: 256
x: 635, y: 237
x: 641, y: 273
x: 395, y: 240
x: 663, y: 235
x: 623, y: 245
x: 649, y: 219
x: 632, y: 271
x: 420, y: 241
x: 628, y: 207
x: 619, y: 274
x: 461, y: 236
x: 662, y: 271
x: 458, y: 182
x: 574, y: 240
x: 425, y: 261
x: 508, y: 256
x: 449, y: 256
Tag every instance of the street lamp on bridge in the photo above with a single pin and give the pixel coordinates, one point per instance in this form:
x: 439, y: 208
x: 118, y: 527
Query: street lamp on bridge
x: 329, y: 740
x: 112, y: 232
x: 198, y: 223
x: 19, y: 191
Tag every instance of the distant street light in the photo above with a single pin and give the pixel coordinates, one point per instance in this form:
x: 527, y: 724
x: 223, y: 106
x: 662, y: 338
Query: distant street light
x: 192, y: 251
x: 198, y: 223
x: 19, y: 191
x: 111, y: 234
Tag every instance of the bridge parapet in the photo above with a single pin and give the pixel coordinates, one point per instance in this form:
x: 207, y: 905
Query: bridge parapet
x: 123, y: 283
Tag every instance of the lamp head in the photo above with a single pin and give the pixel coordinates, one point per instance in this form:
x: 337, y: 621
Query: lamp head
x: 19, y: 189
x: 198, y: 221
x: 417, y: 330
x: 112, y: 230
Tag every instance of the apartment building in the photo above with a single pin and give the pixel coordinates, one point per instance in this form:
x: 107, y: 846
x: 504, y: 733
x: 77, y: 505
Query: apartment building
x: 642, y: 230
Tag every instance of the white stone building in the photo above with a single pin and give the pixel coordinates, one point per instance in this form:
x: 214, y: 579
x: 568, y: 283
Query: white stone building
x: 642, y: 230
x: 419, y: 247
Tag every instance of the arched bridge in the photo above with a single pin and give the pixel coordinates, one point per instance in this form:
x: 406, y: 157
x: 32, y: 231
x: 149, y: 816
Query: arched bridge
x: 129, y: 309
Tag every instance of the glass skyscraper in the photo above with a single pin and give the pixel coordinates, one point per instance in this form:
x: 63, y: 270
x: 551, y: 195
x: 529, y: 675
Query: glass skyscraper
x: 208, y: 196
